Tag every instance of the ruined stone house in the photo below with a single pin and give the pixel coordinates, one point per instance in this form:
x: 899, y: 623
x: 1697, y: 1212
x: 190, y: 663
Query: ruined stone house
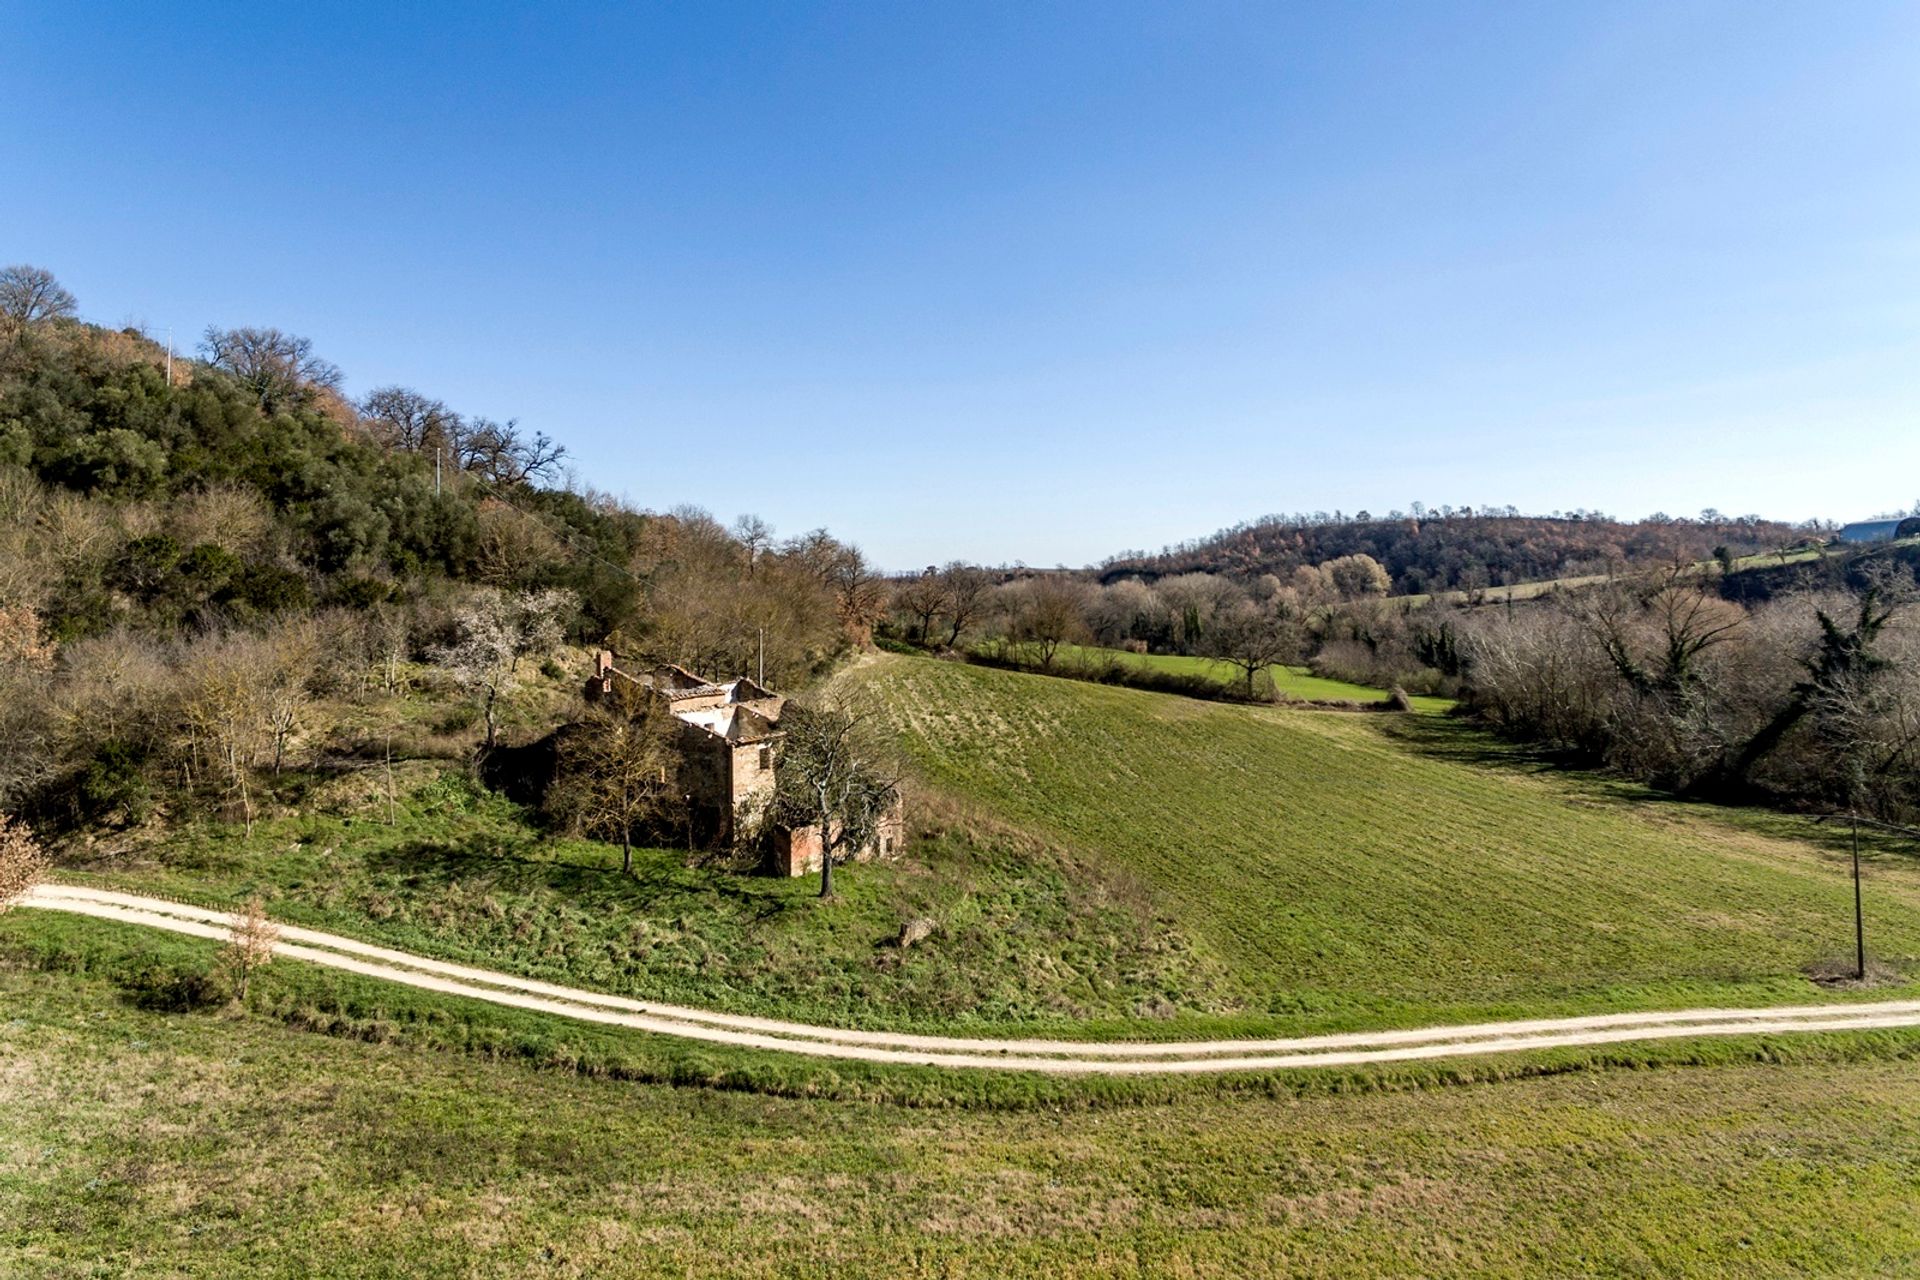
x: 729, y: 742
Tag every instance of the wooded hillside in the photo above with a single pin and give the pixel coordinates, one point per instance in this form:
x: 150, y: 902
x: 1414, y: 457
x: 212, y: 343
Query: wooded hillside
x: 1450, y: 549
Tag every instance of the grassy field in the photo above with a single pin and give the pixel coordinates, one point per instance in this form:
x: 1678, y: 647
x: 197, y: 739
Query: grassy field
x: 1354, y: 870
x: 1290, y: 682
x: 1025, y: 937
x: 140, y: 1144
x: 1103, y: 861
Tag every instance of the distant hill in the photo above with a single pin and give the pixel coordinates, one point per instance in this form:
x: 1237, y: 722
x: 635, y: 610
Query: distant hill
x: 1457, y: 550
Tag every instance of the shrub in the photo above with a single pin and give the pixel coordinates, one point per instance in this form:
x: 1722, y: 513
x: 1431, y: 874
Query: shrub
x: 22, y: 861
x: 170, y: 988
x: 114, y: 781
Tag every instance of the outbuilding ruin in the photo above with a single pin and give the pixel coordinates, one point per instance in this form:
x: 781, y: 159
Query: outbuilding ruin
x: 729, y: 742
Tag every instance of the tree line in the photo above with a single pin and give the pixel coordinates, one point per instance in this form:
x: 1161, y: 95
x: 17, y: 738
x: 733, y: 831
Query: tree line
x: 1461, y: 549
x: 1809, y: 698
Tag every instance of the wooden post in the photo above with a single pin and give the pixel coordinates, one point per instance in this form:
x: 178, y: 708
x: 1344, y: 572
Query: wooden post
x: 1859, y: 917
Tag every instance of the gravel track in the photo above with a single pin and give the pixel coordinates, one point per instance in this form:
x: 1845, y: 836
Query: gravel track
x: 1058, y: 1056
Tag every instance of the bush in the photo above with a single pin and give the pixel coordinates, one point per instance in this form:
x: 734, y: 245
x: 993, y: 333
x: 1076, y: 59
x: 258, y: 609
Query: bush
x: 358, y: 593
x: 170, y: 988
x: 114, y: 781
x: 268, y: 588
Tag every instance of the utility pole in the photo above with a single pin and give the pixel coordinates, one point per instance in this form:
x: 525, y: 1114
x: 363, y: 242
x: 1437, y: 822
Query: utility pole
x: 1859, y: 918
x: 1854, y: 822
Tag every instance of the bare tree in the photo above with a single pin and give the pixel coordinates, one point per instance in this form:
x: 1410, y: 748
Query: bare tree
x: 618, y: 768
x: 286, y: 690
x: 834, y: 777
x: 1655, y: 640
x: 1191, y: 600
x: 498, y: 453
x: 26, y: 678
x: 1253, y: 637
x: 251, y: 938
x: 859, y: 593
x: 279, y: 368
x: 402, y: 418
x: 922, y: 598
x: 223, y: 702
x: 1357, y: 576
x: 1050, y: 611
x: 968, y: 590
x: 496, y: 631
x: 756, y: 537
x: 30, y: 296
x: 23, y: 863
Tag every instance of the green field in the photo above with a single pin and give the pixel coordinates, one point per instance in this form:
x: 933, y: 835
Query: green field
x: 1367, y: 869
x: 1297, y: 683
x: 1026, y: 935
x: 142, y: 1144
x: 1105, y: 861
x: 1101, y: 860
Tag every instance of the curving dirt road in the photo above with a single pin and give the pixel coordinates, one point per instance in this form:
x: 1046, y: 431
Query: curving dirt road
x: 1063, y: 1056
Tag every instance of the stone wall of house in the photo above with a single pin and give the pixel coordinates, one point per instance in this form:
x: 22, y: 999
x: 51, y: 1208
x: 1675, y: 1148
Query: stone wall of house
x: 795, y: 851
x: 729, y: 778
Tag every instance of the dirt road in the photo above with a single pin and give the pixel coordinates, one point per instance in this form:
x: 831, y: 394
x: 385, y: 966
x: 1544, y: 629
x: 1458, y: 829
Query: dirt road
x: 1063, y: 1056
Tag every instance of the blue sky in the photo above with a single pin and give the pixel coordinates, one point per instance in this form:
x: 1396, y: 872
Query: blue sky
x: 1035, y: 281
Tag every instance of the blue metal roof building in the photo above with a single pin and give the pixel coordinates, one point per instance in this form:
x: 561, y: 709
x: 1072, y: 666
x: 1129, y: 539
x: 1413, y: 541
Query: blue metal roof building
x: 1880, y: 530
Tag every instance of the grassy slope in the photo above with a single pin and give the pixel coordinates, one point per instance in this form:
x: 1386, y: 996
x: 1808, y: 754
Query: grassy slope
x: 1291, y: 682
x: 1024, y: 938
x: 1365, y: 869
x: 137, y: 1144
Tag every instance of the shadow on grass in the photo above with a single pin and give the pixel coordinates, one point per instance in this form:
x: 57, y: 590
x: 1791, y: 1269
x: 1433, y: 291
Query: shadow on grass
x: 514, y: 867
x: 1456, y: 740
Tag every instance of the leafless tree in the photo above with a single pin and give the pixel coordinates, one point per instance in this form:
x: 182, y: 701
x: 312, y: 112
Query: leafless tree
x: 31, y: 296
x: 23, y: 863
x: 279, y: 368
x: 1655, y: 637
x: 1049, y: 611
x: 1253, y: 637
x: 251, y: 938
x: 1191, y: 601
x: 968, y: 589
x: 286, y: 691
x: 922, y: 598
x: 497, y: 631
x: 500, y: 454
x: 834, y: 776
x: 619, y: 766
x: 756, y: 537
x: 223, y: 703
x: 859, y: 593
x: 510, y: 540
x: 402, y: 418
x: 1357, y: 576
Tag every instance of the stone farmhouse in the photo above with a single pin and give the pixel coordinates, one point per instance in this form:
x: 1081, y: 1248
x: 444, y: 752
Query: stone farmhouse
x: 729, y: 742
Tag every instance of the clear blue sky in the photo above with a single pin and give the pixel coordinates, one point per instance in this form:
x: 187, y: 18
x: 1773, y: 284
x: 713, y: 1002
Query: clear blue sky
x: 1035, y: 281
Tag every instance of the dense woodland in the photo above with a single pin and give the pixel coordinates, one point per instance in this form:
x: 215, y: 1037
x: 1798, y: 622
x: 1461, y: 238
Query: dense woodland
x: 1459, y: 549
x: 216, y: 572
